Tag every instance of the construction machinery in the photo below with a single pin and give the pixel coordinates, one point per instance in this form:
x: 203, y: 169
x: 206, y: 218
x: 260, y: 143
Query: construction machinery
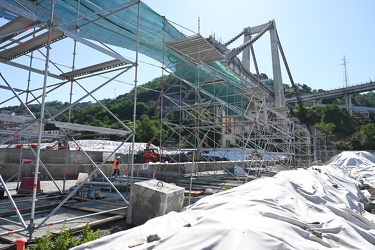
x: 150, y: 154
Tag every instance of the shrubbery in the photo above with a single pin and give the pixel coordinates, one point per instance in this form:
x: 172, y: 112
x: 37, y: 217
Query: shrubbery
x: 65, y: 239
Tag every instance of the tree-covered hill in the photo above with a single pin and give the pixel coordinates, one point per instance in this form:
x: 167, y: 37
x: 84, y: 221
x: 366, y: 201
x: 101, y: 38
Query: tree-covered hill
x: 356, y: 132
x: 348, y: 133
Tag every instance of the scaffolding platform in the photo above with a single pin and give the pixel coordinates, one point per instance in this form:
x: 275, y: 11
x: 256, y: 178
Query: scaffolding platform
x: 80, y: 127
x: 15, y: 27
x: 196, y: 49
x: 15, y: 118
x: 93, y: 69
x: 31, y: 45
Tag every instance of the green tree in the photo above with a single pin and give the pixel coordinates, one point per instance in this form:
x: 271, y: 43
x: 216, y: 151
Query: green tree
x: 304, y: 88
x: 88, y: 234
x: 65, y: 240
x: 44, y: 242
x: 334, y: 114
x: 372, y: 117
x: 326, y: 128
x: 314, y: 114
x: 367, y: 135
x: 147, y: 128
x: 366, y: 100
x: 355, y: 142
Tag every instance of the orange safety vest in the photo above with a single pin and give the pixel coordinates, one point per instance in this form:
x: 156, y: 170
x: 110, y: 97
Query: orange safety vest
x: 116, y: 164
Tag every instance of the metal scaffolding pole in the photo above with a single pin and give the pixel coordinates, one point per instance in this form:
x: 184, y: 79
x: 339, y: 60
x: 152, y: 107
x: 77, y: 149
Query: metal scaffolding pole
x: 135, y: 95
x: 212, y: 106
x: 69, y: 77
x: 41, y: 123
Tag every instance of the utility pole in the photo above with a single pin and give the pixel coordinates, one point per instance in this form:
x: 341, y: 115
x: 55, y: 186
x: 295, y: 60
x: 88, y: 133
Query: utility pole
x: 348, y: 98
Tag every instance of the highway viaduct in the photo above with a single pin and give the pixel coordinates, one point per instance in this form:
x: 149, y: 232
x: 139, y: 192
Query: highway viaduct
x: 353, y: 89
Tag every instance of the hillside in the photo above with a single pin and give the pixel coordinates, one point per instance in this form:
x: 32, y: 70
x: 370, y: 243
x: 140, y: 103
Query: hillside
x: 348, y: 133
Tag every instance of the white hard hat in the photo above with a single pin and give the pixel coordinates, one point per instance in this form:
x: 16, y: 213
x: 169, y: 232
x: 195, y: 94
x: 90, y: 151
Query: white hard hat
x: 118, y: 157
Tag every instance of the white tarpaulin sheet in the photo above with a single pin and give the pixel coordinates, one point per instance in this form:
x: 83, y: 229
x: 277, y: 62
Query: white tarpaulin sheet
x: 318, y: 208
x: 360, y: 165
x: 353, y: 159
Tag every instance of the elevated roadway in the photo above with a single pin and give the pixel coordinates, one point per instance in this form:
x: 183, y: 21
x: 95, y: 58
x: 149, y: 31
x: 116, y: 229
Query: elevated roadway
x: 354, y: 89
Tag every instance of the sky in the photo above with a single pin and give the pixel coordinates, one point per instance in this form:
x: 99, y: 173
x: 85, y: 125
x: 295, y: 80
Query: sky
x: 315, y: 36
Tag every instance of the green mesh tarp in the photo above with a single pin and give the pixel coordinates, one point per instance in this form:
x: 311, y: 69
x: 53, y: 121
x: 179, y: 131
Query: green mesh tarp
x: 115, y: 22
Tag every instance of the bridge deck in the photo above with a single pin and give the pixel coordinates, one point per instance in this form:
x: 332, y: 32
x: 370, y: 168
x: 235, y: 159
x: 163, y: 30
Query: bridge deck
x: 354, y: 89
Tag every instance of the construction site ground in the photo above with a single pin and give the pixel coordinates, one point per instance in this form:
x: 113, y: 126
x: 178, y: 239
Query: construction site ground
x: 98, y: 212
x: 73, y: 214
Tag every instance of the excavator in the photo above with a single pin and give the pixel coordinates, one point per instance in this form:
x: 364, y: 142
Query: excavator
x: 150, y: 154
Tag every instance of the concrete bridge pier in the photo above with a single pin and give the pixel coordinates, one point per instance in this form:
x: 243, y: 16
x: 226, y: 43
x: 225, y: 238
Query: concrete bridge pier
x: 348, y: 104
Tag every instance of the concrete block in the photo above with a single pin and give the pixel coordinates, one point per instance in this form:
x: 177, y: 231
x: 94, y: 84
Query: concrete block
x: 153, y: 198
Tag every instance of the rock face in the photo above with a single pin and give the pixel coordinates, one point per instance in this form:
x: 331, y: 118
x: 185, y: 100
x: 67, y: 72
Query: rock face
x: 153, y: 198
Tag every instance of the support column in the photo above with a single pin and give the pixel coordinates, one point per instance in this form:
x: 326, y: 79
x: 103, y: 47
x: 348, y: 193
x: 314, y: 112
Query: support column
x: 246, y: 51
x: 277, y: 79
x: 348, y: 104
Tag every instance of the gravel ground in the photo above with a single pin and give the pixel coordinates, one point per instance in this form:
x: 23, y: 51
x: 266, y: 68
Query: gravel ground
x: 106, y: 228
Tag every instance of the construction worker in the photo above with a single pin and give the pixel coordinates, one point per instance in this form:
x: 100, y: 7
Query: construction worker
x: 116, y: 167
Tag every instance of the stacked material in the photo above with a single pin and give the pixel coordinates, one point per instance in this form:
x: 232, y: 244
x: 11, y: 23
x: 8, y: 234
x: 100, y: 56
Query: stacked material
x: 317, y: 208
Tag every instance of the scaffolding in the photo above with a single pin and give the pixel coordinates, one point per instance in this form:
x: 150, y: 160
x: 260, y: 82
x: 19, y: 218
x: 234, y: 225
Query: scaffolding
x: 217, y: 106
x: 213, y: 105
x: 34, y: 33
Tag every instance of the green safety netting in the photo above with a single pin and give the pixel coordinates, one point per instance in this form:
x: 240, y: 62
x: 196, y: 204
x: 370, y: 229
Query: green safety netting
x: 114, y: 22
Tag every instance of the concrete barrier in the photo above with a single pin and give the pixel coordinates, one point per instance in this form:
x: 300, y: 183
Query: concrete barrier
x: 74, y: 162
x: 55, y: 170
x: 15, y: 155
